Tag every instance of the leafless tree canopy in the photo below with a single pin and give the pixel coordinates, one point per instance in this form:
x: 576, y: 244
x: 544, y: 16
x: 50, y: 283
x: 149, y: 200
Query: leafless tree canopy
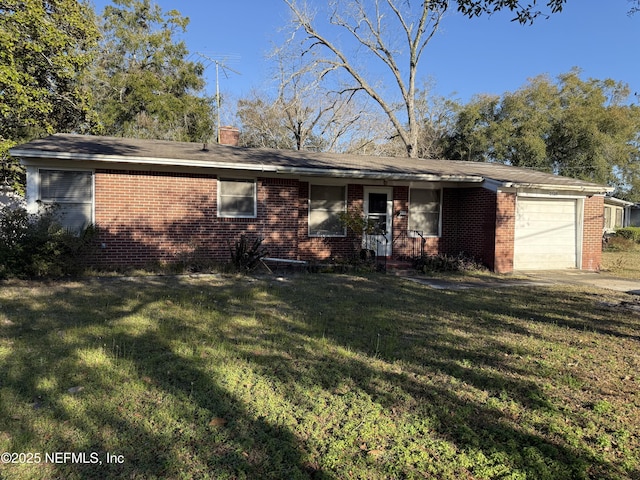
x: 393, y: 35
x: 304, y: 114
x: 372, y: 25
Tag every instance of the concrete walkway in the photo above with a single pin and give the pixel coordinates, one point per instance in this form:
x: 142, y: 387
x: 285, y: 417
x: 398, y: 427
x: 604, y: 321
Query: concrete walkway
x: 534, y: 278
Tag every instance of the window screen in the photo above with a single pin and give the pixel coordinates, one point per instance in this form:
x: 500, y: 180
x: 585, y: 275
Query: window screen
x: 424, y: 211
x: 237, y: 198
x: 326, y: 203
x: 72, y: 194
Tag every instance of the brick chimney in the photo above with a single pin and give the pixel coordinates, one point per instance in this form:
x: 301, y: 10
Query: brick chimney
x: 229, y: 136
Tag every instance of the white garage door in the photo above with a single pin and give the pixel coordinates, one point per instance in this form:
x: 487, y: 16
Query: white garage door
x: 545, y: 234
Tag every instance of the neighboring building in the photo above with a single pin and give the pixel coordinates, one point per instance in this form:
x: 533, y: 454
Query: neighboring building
x: 617, y: 214
x: 162, y: 201
x: 634, y: 215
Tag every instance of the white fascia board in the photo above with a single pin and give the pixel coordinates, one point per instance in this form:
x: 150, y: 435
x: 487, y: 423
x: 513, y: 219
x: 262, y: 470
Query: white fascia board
x: 584, y: 189
x: 367, y: 174
x: 27, y: 155
x: 618, y: 202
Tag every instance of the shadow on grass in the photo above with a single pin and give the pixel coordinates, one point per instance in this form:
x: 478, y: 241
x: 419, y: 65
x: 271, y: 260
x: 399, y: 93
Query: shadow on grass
x: 149, y: 356
x: 448, y: 341
x: 134, y: 396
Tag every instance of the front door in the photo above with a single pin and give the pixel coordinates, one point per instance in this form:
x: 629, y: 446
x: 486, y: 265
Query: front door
x: 378, y: 210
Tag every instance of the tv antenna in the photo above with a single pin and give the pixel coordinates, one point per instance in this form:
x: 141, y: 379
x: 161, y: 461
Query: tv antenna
x: 220, y: 62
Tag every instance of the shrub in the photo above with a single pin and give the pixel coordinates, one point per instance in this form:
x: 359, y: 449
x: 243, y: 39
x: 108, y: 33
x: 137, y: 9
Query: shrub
x: 618, y: 244
x: 246, y: 254
x: 630, y: 233
x: 447, y: 263
x: 356, y: 221
x: 36, y: 245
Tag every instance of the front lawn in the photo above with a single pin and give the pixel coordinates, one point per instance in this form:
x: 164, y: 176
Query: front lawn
x: 316, y: 376
x: 625, y: 263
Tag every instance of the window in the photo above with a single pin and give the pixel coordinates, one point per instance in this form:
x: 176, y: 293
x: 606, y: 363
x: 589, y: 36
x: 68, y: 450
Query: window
x: 424, y: 211
x: 618, y: 218
x: 607, y: 218
x: 72, y: 194
x: 326, y: 203
x: 613, y: 217
x: 237, y: 198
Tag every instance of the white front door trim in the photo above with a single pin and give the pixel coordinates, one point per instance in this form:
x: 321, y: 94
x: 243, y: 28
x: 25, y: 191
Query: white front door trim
x: 382, y: 243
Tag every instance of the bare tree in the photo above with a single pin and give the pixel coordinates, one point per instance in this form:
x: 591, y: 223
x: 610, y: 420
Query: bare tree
x: 261, y: 121
x: 395, y: 34
x: 303, y: 115
x: 331, y: 117
x: 369, y: 23
x: 305, y: 120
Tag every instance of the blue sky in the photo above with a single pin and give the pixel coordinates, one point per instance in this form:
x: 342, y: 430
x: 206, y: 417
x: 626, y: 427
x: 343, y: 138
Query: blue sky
x: 467, y: 57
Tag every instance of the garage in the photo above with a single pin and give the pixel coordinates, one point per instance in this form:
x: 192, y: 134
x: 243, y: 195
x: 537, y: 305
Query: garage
x: 545, y: 234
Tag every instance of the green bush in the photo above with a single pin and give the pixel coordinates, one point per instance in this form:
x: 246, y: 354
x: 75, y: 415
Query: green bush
x: 630, y: 233
x: 36, y: 245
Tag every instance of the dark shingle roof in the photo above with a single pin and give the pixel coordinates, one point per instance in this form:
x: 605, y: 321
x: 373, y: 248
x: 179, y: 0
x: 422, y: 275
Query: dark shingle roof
x: 115, y: 149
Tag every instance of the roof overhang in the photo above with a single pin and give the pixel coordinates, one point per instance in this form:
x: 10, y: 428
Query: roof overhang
x: 256, y: 164
x: 557, y: 188
x: 618, y: 202
x: 26, y: 155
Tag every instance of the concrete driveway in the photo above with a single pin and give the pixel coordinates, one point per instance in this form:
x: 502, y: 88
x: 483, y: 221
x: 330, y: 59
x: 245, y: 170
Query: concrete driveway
x: 534, y: 278
x: 579, y: 277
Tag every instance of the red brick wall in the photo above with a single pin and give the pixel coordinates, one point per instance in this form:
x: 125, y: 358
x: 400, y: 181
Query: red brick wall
x: 403, y: 245
x: 150, y: 216
x: 592, y: 233
x: 469, y: 223
x: 505, y: 232
x: 346, y: 247
x: 146, y: 217
x: 278, y: 216
x: 325, y: 248
x: 406, y: 245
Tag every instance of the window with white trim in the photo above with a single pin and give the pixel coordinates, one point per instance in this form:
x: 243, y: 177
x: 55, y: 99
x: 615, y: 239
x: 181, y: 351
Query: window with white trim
x: 619, y: 217
x: 613, y: 217
x: 71, y: 192
x: 607, y: 218
x: 424, y: 211
x: 237, y: 198
x: 326, y: 203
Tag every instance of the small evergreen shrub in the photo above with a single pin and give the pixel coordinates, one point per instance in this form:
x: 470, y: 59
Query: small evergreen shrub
x: 246, y: 254
x: 36, y: 245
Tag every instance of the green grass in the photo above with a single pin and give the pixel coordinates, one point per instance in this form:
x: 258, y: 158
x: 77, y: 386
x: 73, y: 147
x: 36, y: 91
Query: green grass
x: 318, y: 376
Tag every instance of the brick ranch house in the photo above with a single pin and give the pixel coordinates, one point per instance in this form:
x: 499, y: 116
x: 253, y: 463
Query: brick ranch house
x: 163, y: 201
